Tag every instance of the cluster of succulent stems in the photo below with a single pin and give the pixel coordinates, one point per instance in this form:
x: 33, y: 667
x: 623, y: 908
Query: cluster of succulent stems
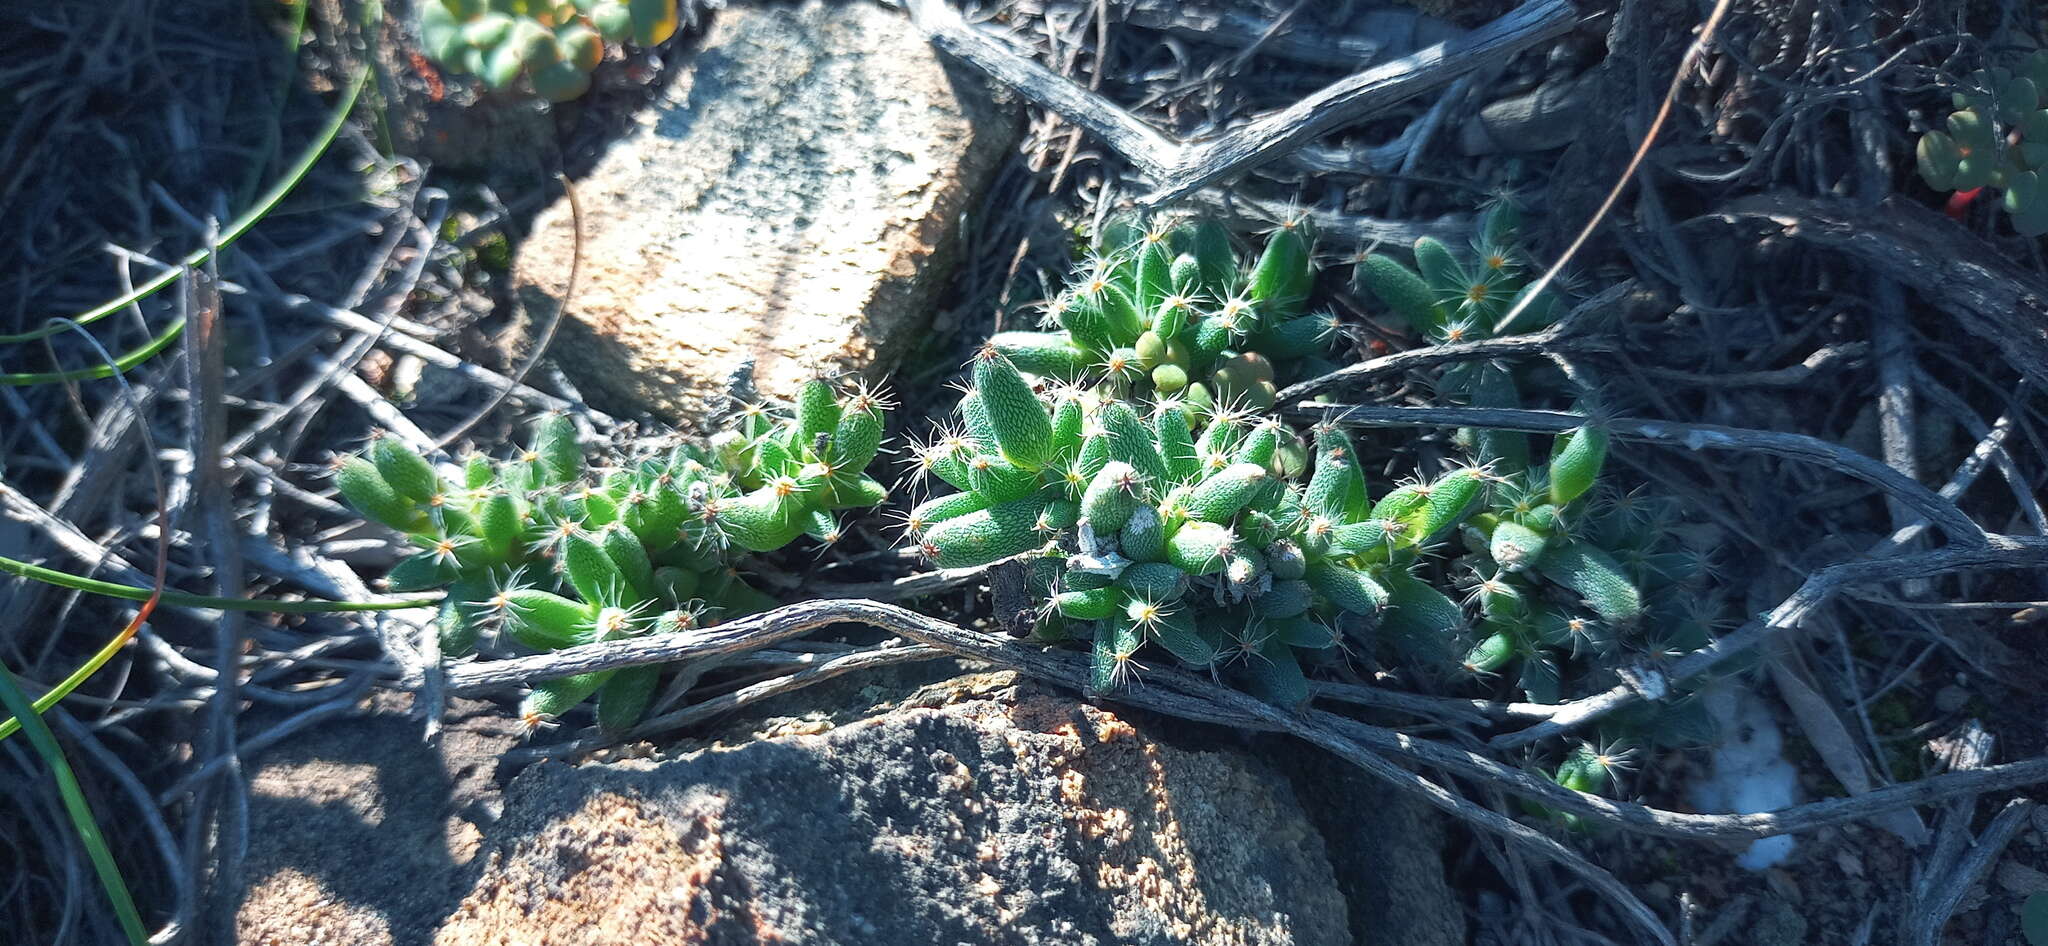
x: 1127, y: 458
x: 540, y: 551
x: 552, y: 44
x: 1997, y: 137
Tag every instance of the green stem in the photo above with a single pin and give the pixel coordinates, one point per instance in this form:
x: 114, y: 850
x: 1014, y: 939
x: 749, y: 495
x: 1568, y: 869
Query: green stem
x: 272, y: 130
x: 117, y: 366
x: 134, y: 593
x: 76, y: 806
x: 95, y: 586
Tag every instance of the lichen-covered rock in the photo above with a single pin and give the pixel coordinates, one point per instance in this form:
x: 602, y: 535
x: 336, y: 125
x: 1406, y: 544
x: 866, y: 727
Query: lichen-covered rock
x: 790, y: 200
x: 1013, y: 816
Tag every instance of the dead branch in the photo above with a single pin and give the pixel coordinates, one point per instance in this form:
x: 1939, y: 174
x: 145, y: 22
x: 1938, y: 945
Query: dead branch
x: 1926, y: 923
x: 1179, y: 168
x: 1377, y: 32
x: 1191, y: 697
x: 1952, y: 269
x: 1562, y: 336
x: 1816, y: 591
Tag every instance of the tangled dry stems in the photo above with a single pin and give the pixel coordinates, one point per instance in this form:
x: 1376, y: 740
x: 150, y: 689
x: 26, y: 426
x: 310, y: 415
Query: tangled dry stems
x: 317, y: 672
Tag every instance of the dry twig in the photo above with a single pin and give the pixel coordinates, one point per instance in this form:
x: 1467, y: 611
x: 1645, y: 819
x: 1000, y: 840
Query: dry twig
x: 1179, y: 168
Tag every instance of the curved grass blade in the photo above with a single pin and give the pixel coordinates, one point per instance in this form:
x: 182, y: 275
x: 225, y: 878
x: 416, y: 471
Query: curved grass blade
x: 149, y: 598
x: 135, y: 593
x: 106, y: 370
x: 77, y: 807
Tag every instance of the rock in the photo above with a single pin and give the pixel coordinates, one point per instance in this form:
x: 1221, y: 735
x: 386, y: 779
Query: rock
x: 360, y: 832
x: 791, y: 199
x: 1386, y: 848
x: 1546, y: 117
x: 1013, y: 816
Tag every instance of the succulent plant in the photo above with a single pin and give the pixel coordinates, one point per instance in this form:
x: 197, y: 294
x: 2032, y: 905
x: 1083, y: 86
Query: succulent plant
x: 1161, y: 530
x: 548, y: 553
x: 553, y: 43
x: 1171, y: 310
x: 1447, y: 299
x: 1202, y: 539
x: 1997, y: 136
x: 1568, y: 581
x: 1156, y: 533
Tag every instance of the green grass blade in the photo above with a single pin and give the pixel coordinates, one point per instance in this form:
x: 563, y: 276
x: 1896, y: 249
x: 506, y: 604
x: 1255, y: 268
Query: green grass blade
x: 77, y: 807
x: 117, y: 366
x: 135, y: 593
x: 85, y: 671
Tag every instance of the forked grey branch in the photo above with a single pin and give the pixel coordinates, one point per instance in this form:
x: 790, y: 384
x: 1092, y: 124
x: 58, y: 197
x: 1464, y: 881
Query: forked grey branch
x: 1178, y: 168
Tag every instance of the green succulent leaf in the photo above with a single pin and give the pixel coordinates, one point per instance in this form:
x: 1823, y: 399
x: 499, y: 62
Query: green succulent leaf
x: 545, y: 621
x: 1275, y: 676
x: 1596, y: 576
x: 1575, y: 462
x: 1017, y: 419
x: 986, y: 535
x: 555, y: 697
x: 364, y: 488
x: 623, y: 699
x: 1046, y: 354
x: 1404, y: 291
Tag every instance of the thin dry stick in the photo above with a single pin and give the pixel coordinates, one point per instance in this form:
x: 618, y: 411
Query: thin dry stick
x: 1562, y: 336
x: 1580, y: 712
x: 809, y: 669
x: 1927, y: 924
x: 1180, y: 168
x: 547, y: 333
x: 1190, y: 697
x: 1822, y: 585
x: 340, y: 366
x: 908, y: 586
x: 1628, y: 173
x: 1953, y: 269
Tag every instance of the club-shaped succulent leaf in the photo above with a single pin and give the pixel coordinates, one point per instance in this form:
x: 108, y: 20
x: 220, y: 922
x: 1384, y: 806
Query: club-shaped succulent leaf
x: 1022, y: 427
x: 1575, y: 463
x: 366, y: 490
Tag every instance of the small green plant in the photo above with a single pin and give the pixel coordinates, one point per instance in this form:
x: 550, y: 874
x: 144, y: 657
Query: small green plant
x: 1996, y: 137
x: 1171, y: 310
x: 547, y: 553
x: 1162, y: 530
x: 1195, y: 535
x: 1447, y: 299
x: 1144, y: 522
x: 554, y: 44
x: 1569, y: 581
